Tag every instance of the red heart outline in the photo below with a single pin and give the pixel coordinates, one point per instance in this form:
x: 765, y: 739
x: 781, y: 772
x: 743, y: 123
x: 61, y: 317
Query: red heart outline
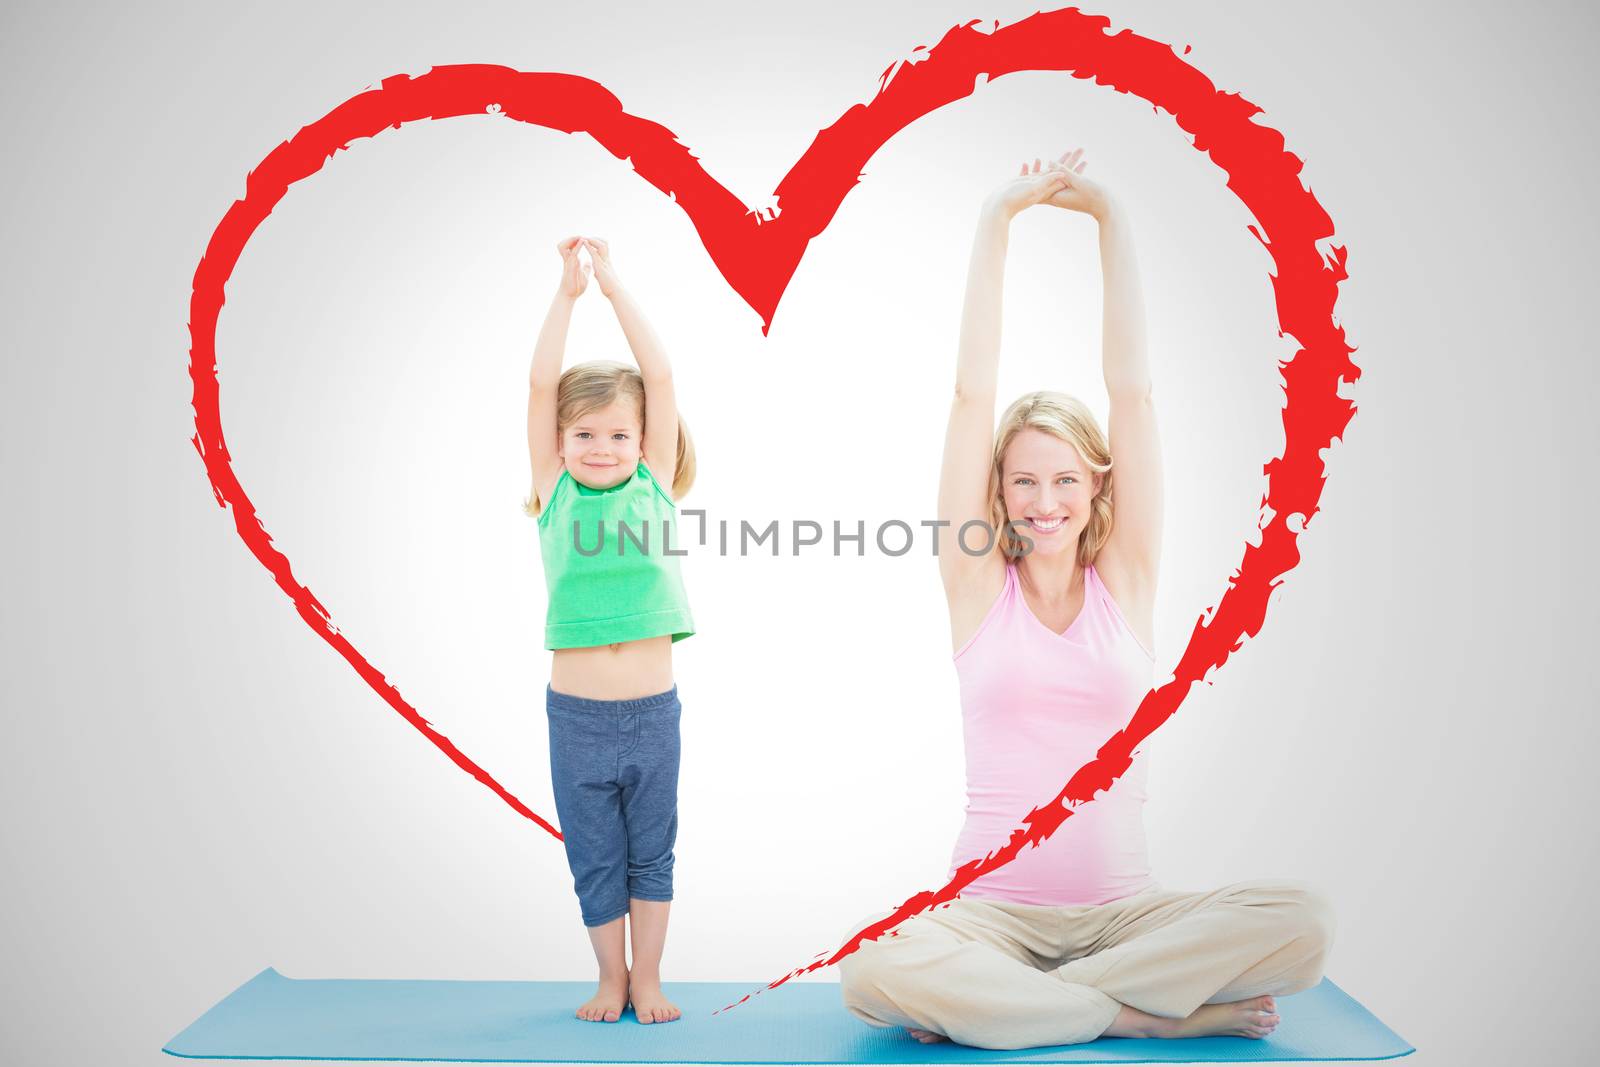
x: 759, y: 255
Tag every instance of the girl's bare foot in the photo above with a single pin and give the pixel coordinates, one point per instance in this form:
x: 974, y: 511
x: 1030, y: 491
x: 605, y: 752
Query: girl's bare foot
x: 1256, y: 1018
x: 927, y: 1037
x: 608, y: 1001
x: 649, y: 1003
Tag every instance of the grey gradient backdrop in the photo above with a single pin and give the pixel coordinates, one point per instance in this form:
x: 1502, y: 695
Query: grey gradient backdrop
x: 195, y: 786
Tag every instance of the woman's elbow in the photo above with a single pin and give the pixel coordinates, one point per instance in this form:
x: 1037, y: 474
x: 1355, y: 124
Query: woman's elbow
x: 1130, y: 392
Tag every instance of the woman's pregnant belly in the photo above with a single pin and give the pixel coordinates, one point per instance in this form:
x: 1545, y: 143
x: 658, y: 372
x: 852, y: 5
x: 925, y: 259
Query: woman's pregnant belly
x: 1097, y: 855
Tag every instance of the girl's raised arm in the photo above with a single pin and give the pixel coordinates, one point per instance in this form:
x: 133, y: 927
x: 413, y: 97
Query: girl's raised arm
x: 660, y: 444
x: 969, y: 435
x: 545, y: 374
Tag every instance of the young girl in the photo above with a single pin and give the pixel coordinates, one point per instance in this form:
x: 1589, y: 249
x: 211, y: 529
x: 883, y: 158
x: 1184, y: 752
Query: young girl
x: 606, y: 442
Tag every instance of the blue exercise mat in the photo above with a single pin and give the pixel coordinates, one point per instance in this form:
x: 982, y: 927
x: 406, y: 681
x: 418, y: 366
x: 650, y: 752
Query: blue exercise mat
x: 273, y: 1017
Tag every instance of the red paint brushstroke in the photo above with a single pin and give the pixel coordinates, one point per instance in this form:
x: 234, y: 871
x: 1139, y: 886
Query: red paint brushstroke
x: 758, y: 256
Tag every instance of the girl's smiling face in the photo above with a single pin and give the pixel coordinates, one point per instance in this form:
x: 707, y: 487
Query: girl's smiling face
x: 600, y: 448
x: 1047, y: 489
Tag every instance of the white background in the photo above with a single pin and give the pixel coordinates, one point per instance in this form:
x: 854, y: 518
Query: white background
x: 196, y: 786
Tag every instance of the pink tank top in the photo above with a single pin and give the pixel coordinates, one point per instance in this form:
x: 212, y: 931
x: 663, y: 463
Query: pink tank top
x: 1036, y: 706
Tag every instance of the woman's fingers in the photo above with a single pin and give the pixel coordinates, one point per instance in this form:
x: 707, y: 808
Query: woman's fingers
x: 1065, y: 161
x: 1042, y: 181
x: 1045, y: 185
x: 1072, y: 161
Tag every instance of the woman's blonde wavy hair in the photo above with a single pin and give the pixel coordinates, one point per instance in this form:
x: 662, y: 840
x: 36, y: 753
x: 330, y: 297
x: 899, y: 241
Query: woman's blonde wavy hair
x: 588, y: 386
x: 1067, y: 418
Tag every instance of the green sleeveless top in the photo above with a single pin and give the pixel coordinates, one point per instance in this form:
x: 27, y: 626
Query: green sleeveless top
x: 606, y: 569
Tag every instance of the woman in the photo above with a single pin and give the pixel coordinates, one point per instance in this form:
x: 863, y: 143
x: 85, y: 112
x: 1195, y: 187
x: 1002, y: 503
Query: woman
x: 1052, y: 628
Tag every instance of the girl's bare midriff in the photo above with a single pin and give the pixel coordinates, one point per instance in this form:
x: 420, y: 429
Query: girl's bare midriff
x: 623, y: 671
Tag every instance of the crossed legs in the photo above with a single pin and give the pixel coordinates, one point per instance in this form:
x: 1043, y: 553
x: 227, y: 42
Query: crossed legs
x: 1158, y: 964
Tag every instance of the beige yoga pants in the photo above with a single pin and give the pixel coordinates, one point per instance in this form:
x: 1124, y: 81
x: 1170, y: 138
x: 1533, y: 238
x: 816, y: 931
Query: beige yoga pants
x: 992, y: 974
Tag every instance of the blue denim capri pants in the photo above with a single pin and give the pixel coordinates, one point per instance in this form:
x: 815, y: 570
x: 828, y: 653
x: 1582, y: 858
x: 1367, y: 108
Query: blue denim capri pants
x: 614, y: 764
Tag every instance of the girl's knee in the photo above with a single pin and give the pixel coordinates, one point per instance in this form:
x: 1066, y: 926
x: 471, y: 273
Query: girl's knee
x: 651, y: 882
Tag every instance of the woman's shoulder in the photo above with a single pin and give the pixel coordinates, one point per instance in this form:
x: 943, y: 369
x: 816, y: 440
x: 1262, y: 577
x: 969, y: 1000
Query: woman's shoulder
x: 1127, y: 584
x: 1132, y: 595
x: 972, y: 599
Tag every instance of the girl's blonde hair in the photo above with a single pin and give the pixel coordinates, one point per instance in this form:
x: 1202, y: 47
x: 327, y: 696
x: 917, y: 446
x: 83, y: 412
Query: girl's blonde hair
x: 588, y: 386
x: 1065, y: 417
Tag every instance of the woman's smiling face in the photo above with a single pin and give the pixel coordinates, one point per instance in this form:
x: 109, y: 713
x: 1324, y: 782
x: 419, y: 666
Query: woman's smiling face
x: 1047, y: 489
x: 601, y: 447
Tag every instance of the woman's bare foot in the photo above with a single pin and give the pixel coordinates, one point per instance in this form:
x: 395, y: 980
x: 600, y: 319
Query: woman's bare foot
x: 649, y: 1003
x: 608, y: 1001
x: 1256, y: 1018
x: 927, y: 1037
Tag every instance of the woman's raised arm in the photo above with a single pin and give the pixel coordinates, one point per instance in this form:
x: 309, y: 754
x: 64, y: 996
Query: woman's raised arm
x: 1134, y: 547
x: 969, y: 435
x: 1135, y: 444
